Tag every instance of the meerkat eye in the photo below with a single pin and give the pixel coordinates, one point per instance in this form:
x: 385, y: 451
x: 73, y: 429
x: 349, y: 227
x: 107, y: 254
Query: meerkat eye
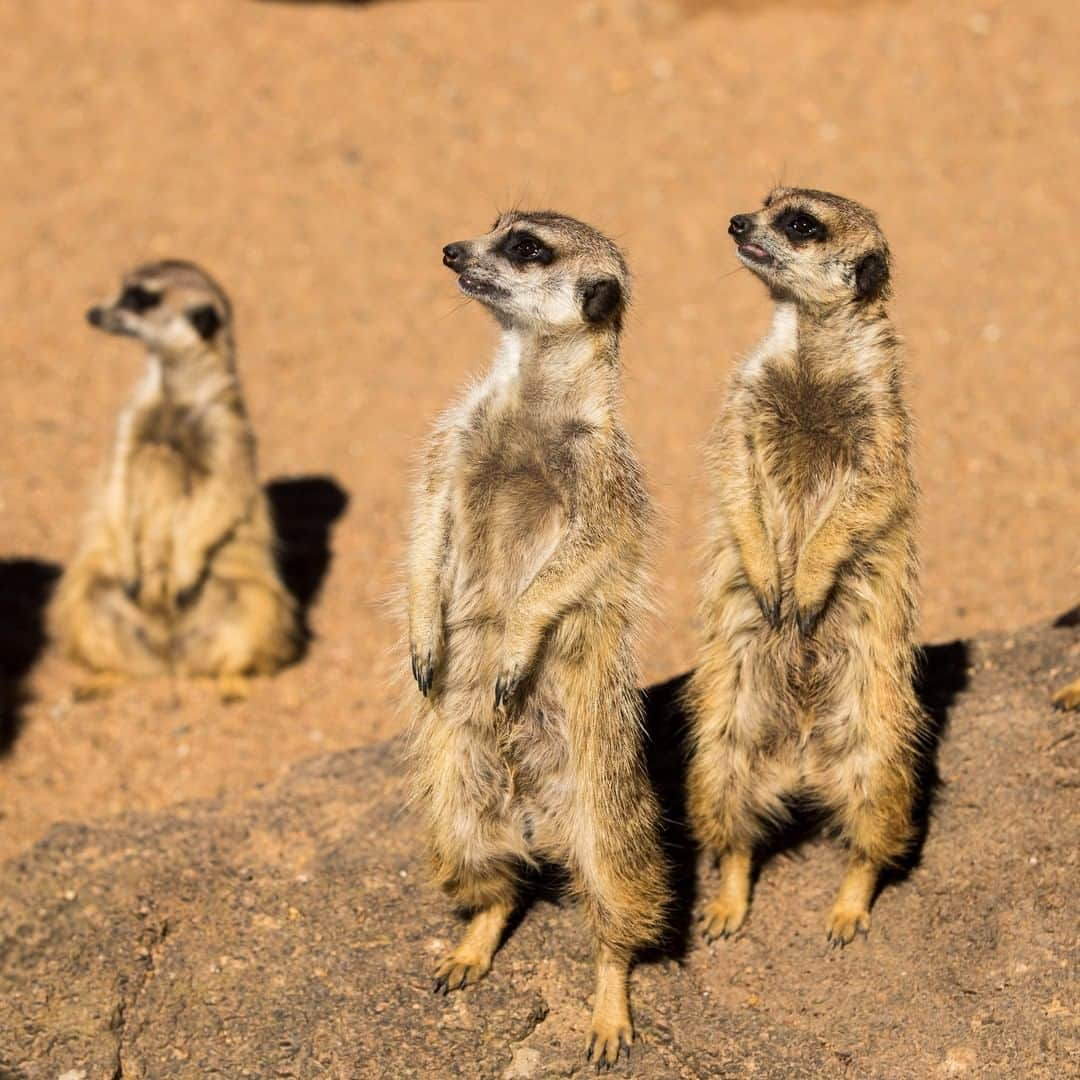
x: 523, y: 247
x: 802, y: 226
x: 137, y: 299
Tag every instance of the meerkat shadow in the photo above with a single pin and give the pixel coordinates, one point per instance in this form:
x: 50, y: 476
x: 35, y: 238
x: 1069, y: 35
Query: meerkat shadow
x: 1067, y: 619
x: 667, y: 732
x: 304, y: 508
x: 26, y: 586
x: 941, y: 676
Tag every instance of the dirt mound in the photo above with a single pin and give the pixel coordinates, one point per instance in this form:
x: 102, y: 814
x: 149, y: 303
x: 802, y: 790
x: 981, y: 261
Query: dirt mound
x: 292, y: 935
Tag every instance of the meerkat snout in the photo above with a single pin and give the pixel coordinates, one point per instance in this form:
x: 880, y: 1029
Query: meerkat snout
x: 453, y: 255
x: 740, y: 225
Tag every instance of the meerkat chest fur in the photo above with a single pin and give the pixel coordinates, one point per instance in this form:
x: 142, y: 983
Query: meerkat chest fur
x: 811, y: 403
x: 516, y: 483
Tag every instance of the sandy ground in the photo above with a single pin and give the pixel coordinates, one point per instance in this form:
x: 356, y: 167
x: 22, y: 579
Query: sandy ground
x: 293, y: 933
x: 316, y: 157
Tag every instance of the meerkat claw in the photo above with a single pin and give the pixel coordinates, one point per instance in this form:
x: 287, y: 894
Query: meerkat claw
x: 423, y: 673
x: 769, y: 606
x: 505, y: 685
x: 807, y: 621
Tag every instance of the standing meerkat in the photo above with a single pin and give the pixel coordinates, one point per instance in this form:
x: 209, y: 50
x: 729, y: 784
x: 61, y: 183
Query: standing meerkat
x: 175, y: 570
x: 526, y: 585
x: 804, y: 687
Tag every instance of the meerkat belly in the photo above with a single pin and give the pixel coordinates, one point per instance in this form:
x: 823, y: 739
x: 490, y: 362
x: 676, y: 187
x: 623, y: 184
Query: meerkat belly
x: 506, y: 527
x: 166, y: 466
x: 536, y: 751
x: 808, y: 433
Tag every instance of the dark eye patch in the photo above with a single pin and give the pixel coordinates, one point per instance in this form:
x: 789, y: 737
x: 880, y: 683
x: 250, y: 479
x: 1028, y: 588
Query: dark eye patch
x: 206, y: 321
x: 799, y: 226
x: 137, y: 299
x: 522, y: 247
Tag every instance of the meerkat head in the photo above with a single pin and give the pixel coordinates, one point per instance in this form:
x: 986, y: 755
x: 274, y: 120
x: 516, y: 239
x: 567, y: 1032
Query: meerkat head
x: 814, y: 248
x: 543, y: 271
x: 175, y: 308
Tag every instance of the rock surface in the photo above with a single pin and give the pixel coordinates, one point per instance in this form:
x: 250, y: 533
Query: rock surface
x: 292, y: 935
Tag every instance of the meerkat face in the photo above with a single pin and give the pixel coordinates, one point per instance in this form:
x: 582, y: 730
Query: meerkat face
x: 173, y: 307
x: 814, y: 248
x: 543, y: 271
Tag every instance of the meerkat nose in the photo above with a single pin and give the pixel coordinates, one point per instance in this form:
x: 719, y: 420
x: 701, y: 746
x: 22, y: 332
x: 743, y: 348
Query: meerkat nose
x: 740, y: 225
x: 94, y: 316
x: 452, y: 255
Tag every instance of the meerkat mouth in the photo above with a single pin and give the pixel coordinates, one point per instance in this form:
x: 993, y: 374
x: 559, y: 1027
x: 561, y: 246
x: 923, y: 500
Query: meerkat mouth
x: 755, y: 253
x: 471, y: 285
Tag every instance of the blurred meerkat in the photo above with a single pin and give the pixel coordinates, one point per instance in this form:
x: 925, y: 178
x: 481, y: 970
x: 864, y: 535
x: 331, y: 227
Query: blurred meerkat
x: 526, y: 585
x: 1068, y: 697
x: 175, y: 570
x: 804, y: 686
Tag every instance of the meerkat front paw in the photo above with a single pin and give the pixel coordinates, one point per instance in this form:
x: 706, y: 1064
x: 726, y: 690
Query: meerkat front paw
x: 763, y: 575
x: 845, y: 921
x: 187, y: 583
x: 153, y: 592
x: 722, y: 916
x: 813, y: 583
x: 463, y: 967
x: 519, y: 649
x: 425, y: 644
x: 423, y: 669
x: 424, y: 654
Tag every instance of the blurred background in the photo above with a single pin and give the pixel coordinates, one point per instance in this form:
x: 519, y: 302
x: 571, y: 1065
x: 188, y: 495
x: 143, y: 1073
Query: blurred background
x: 315, y: 157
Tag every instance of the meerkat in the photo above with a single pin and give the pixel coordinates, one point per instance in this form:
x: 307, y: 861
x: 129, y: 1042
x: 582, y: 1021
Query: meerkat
x: 805, y: 684
x: 175, y: 571
x: 1068, y: 697
x: 526, y: 586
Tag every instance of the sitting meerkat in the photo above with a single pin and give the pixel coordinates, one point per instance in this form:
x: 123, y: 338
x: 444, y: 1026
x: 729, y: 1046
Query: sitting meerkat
x: 175, y: 571
x: 526, y: 586
x: 805, y: 683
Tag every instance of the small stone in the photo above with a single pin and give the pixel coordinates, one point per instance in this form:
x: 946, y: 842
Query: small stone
x: 959, y: 1059
x: 524, y: 1063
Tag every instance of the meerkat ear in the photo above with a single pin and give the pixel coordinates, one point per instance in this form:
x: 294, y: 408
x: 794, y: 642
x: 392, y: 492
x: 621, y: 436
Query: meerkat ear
x: 871, y: 275
x: 600, y: 300
x: 206, y: 321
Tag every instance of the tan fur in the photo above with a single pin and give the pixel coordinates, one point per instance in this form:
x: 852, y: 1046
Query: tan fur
x: 804, y: 687
x: 526, y: 585
x: 175, y: 571
x: 1068, y: 697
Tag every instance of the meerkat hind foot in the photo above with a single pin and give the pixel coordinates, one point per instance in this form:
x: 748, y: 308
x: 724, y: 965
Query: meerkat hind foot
x: 726, y: 912
x: 471, y: 960
x: 98, y: 685
x: 850, y: 914
x: 1068, y: 697
x: 845, y: 921
x: 723, y: 915
x: 611, y: 1030
x: 232, y: 689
